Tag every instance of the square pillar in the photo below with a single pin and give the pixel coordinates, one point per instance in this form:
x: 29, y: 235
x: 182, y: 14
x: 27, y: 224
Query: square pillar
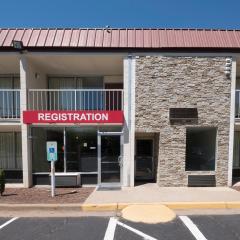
x: 129, y: 123
x: 232, y: 121
x: 26, y: 147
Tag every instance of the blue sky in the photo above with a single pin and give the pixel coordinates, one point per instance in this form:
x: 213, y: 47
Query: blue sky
x: 121, y: 13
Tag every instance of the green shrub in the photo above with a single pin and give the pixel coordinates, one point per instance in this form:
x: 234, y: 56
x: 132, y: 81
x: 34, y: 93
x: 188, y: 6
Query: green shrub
x: 2, y: 181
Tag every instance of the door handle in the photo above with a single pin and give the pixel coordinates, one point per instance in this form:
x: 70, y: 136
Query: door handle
x: 120, y: 163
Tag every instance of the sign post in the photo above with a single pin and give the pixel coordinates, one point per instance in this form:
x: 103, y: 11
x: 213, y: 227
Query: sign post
x: 52, y: 178
x: 52, y: 157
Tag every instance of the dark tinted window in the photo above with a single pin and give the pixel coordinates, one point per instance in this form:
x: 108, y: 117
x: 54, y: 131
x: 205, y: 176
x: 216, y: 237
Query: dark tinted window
x: 200, y: 149
x: 144, y: 147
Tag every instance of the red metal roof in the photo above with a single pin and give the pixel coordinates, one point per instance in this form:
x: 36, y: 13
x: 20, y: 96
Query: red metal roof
x: 121, y: 38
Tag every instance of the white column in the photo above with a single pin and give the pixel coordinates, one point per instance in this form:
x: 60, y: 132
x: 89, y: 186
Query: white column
x: 129, y: 124
x: 132, y: 123
x: 26, y: 149
x: 232, y: 121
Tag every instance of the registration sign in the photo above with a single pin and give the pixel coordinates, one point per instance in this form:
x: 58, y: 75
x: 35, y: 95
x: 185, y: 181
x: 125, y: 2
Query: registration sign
x: 52, y: 151
x: 74, y: 117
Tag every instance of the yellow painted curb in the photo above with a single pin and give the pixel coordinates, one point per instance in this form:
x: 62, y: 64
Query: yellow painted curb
x: 121, y: 206
x: 99, y: 207
x: 232, y: 204
x: 196, y: 205
x: 171, y: 205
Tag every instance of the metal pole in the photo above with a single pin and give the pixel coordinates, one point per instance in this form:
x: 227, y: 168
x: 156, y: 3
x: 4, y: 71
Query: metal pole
x: 53, y: 178
x: 65, y: 150
x: 99, y: 156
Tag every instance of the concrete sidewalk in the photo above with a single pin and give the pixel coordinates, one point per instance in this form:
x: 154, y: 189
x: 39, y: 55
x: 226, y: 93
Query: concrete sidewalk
x: 151, y: 193
x: 116, y: 200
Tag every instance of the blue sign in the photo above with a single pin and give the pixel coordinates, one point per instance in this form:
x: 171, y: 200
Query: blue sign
x: 52, y: 151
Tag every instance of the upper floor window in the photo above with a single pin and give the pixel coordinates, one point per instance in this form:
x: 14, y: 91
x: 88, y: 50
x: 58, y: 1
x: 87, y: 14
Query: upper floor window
x: 90, y: 100
x: 75, y: 82
x: 9, y: 82
x: 9, y: 97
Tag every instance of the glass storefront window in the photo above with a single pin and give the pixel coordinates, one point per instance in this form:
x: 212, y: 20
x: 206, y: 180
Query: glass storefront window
x: 200, y: 149
x: 10, y: 151
x: 80, y: 149
x: 40, y: 136
x: 236, y: 153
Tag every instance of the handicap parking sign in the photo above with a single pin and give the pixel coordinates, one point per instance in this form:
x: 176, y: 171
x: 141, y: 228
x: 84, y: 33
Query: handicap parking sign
x: 52, y: 151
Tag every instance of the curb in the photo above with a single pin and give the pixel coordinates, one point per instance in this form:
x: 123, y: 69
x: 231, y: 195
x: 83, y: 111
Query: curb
x: 42, y: 207
x: 100, y: 207
x: 117, y: 206
x: 171, y: 205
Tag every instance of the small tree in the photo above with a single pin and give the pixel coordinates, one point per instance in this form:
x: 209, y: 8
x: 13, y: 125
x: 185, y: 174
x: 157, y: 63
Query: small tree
x: 2, y: 181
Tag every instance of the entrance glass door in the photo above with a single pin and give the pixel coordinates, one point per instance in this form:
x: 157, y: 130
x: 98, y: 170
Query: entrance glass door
x: 109, y: 158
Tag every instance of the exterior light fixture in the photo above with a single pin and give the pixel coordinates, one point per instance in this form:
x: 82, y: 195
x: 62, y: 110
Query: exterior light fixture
x: 228, y: 67
x: 108, y: 29
x: 37, y: 75
x: 17, y: 45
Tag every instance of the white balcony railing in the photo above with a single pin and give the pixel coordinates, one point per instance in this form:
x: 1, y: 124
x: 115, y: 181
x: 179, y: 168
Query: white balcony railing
x: 75, y: 99
x: 9, y: 104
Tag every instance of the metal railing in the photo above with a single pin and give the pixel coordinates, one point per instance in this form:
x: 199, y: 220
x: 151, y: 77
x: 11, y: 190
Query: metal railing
x: 75, y: 99
x: 9, y: 104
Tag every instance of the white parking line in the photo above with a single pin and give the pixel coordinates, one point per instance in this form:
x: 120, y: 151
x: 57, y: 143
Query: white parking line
x: 8, y: 222
x: 145, y: 236
x: 192, y: 228
x: 109, y: 235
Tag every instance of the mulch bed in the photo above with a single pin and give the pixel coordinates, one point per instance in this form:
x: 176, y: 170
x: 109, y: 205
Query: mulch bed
x: 43, y: 195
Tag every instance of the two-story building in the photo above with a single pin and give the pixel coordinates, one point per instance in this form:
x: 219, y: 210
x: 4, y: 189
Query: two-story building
x: 124, y: 106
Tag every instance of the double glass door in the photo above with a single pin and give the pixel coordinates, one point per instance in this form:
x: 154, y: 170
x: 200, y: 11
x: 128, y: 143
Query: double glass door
x: 110, y: 158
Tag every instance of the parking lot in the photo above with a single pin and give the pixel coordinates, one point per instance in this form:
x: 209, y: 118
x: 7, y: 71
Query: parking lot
x: 87, y: 228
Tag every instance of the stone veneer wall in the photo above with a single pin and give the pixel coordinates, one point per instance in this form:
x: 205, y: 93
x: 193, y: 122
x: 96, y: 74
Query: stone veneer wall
x: 166, y: 82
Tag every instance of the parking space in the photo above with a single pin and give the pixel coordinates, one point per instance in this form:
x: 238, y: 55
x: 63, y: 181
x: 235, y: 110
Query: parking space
x: 218, y: 227
x: 93, y: 228
x: 55, y: 228
x: 172, y: 230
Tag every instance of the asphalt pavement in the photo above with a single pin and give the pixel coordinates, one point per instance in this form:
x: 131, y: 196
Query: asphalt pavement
x: 211, y: 227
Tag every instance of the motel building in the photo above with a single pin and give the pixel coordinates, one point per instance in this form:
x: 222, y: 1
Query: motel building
x: 125, y: 106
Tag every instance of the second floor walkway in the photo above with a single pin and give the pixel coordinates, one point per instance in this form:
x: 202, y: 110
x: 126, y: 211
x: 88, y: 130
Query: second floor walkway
x: 59, y: 100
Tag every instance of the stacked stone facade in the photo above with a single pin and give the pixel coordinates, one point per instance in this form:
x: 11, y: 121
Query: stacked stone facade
x: 183, y: 82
